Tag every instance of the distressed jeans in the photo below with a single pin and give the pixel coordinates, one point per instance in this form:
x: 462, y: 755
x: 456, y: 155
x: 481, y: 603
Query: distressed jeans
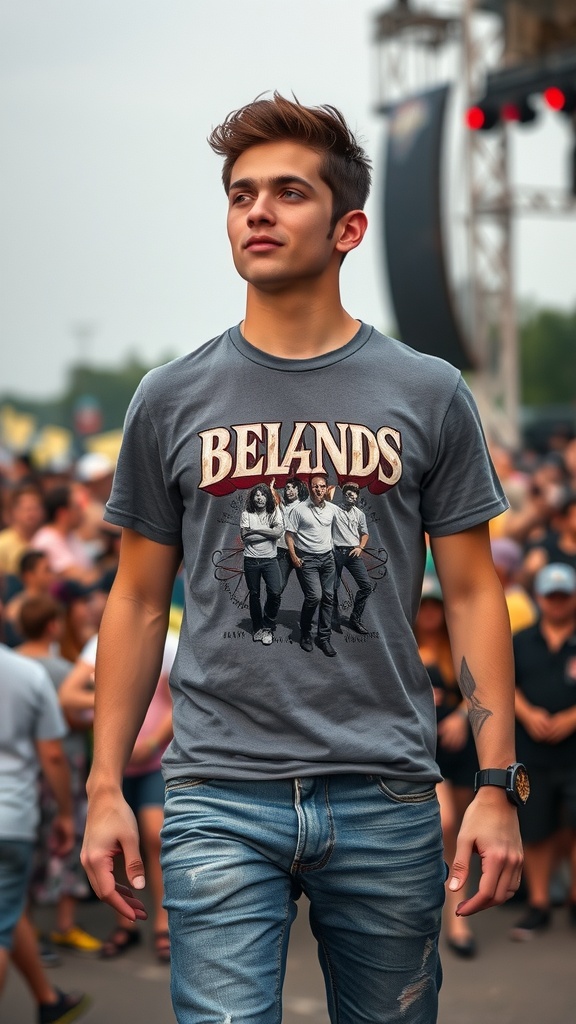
x: 367, y: 852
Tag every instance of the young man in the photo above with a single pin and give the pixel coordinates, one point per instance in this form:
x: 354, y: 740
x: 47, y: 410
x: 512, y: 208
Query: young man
x: 283, y: 777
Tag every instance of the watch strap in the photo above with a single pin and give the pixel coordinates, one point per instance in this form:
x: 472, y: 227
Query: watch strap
x: 491, y: 777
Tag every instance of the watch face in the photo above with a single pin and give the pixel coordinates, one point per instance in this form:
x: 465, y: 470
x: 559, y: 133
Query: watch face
x: 522, y: 783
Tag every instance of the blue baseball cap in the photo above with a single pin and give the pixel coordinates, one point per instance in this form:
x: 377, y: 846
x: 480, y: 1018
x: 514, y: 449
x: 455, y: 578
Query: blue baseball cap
x: 556, y: 578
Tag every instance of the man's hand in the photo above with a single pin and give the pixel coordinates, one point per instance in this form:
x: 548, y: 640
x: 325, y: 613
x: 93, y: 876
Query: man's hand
x: 355, y: 552
x: 111, y: 830
x: 490, y: 827
x: 62, y: 835
x: 537, y: 722
x: 561, y: 725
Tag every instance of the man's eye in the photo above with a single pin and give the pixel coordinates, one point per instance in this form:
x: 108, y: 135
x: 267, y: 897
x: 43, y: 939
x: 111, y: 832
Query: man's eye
x: 240, y: 197
x: 291, y: 193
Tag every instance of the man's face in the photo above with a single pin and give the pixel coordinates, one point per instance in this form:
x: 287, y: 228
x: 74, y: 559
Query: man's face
x: 40, y: 578
x: 279, y: 213
x: 290, y: 492
x: 557, y: 608
x: 350, y: 497
x: 259, y: 500
x: 28, y: 513
x: 318, y: 489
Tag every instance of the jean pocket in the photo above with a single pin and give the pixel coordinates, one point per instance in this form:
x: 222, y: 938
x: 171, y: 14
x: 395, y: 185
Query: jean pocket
x: 402, y: 791
x: 184, y: 784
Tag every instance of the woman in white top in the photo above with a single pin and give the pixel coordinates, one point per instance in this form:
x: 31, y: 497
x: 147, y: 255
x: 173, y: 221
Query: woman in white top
x: 261, y: 524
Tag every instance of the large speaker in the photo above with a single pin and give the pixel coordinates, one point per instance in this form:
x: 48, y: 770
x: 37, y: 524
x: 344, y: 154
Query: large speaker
x: 426, y: 314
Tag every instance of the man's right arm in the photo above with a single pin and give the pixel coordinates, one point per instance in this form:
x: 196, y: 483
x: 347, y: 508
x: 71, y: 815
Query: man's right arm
x: 128, y: 666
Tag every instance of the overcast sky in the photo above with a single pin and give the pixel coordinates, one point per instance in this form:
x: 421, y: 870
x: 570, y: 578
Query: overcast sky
x: 112, y: 214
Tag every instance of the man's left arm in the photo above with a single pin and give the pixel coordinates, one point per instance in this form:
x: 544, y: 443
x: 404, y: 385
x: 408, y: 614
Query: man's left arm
x: 479, y: 628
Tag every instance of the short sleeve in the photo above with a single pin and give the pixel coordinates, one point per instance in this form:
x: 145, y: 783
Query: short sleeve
x: 244, y: 521
x: 461, y: 488
x: 143, y: 498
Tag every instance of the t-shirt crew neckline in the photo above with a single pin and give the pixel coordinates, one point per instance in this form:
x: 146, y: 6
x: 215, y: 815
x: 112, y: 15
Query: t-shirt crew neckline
x: 256, y: 355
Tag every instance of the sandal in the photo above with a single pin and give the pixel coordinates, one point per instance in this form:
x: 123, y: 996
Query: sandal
x: 162, y: 946
x: 119, y: 941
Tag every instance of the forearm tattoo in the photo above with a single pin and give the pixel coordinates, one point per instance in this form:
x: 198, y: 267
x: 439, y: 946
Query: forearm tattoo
x: 477, y: 714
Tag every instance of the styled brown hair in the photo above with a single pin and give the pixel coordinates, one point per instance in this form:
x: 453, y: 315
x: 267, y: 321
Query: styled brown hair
x: 345, y: 167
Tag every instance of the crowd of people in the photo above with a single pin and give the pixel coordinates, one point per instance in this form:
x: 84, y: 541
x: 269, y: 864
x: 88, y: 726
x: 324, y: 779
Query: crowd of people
x: 58, y: 558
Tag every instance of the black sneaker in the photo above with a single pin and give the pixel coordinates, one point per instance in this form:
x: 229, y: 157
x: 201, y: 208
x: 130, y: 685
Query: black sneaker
x: 69, y: 1007
x: 536, y: 919
x: 306, y: 643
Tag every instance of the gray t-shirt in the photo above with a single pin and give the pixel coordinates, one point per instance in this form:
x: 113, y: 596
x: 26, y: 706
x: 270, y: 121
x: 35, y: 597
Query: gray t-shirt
x: 203, y: 429
x: 30, y: 712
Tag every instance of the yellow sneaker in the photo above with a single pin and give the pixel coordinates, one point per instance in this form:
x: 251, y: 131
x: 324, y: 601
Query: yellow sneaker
x: 77, y: 939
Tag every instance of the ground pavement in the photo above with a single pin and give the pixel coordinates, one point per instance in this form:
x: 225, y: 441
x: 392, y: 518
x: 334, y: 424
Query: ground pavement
x: 508, y: 983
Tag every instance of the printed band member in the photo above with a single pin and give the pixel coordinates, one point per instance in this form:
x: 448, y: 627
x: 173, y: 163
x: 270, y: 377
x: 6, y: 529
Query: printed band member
x: 293, y: 492
x: 350, y: 536
x: 310, y: 544
x: 261, y: 525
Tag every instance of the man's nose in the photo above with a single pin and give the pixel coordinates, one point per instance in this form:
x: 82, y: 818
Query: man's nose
x: 261, y: 210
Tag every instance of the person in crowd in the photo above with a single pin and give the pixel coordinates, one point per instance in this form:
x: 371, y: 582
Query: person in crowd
x: 31, y: 730
x: 60, y: 880
x: 58, y: 538
x: 94, y: 472
x: 507, y: 555
x: 455, y: 751
x: 350, y: 537
x: 284, y: 778
x: 26, y: 514
x: 36, y: 579
x: 80, y: 615
x: 261, y: 524
x: 545, y: 658
x: 558, y: 544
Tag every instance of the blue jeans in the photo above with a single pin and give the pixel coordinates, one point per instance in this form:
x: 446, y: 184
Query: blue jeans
x: 316, y: 576
x: 366, y: 852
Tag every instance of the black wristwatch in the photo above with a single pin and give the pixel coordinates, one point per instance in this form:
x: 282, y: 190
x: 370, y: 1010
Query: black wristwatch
x: 513, y: 779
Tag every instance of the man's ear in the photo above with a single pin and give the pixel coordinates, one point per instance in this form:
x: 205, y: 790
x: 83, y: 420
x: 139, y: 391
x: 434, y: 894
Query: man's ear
x: 350, y: 231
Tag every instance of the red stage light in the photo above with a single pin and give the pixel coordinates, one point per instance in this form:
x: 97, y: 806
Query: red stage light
x: 475, y: 118
x: 555, y: 97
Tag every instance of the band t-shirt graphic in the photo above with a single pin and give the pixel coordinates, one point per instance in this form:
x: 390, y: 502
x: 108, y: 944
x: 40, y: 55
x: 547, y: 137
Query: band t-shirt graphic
x: 200, y: 434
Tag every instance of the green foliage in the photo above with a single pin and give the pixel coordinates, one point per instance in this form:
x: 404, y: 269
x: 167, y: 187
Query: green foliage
x: 547, y: 345
x: 111, y: 388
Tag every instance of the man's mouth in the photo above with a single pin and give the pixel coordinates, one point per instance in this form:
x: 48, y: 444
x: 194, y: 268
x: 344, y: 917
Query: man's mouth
x: 262, y: 243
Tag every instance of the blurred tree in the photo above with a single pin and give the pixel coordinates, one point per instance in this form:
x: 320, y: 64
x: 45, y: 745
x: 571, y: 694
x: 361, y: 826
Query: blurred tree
x: 547, y: 357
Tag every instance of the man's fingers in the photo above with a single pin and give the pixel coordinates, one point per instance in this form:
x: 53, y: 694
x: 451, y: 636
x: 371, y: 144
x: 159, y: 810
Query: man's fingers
x: 460, y: 866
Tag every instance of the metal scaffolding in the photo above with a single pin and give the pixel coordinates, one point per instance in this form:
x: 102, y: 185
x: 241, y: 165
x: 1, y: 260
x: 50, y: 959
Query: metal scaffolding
x: 462, y: 42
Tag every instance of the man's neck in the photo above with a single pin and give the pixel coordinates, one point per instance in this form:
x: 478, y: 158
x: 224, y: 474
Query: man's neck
x: 296, y: 325
x: 36, y: 648
x: 557, y: 633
